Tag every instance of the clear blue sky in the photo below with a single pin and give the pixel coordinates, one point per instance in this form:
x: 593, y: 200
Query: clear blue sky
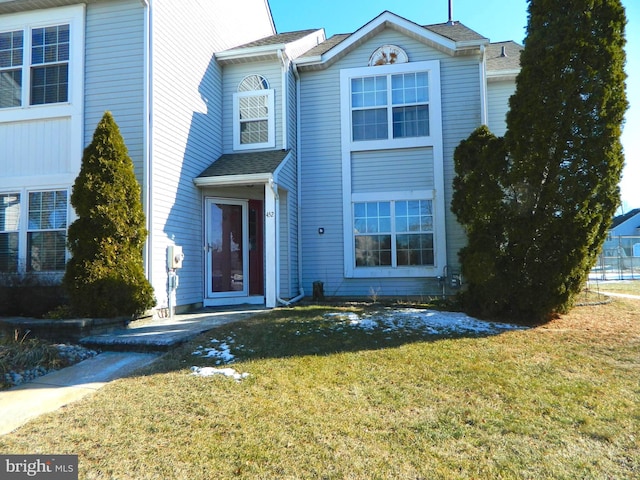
x: 496, y: 19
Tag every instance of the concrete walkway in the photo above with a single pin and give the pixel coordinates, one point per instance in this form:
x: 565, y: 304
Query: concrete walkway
x: 142, y: 343
x: 54, y: 390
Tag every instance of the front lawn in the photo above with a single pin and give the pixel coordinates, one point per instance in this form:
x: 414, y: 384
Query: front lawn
x: 354, y: 396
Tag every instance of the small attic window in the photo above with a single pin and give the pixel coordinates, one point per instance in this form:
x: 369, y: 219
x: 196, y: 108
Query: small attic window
x: 253, y: 83
x: 388, y: 55
x: 254, y: 114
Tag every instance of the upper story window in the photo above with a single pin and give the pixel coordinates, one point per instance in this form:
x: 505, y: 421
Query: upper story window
x: 395, y: 105
x: 11, y: 60
x: 49, y: 64
x: 254, y: 114
x: 390, y: 106
x: 34, y: 66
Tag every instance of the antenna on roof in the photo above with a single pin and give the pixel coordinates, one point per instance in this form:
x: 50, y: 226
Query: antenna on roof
x: 451, y: 22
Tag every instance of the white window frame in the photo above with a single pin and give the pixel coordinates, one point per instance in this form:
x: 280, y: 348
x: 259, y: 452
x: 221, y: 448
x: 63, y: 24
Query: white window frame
x: 436, y: 193
x: 24, y: 229
x: 432, y: 68
x: 271, y: 128
x: 394, y: 270
x: 73, y: 16
x: 5, y: 230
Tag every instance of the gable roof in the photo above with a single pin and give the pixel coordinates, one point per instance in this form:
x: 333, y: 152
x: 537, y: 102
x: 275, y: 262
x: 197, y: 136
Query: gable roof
x: 451, y: 38
x: 254, y: 166
x: 620, y: 219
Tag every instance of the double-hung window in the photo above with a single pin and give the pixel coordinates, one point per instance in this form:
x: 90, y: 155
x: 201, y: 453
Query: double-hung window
x: 34, y: 66
x: 33, y: 230
x: 390, y: 106
x: 49, y: 64
x: 9, y: 231
x: 11, y: 61
x: 254, y: 114
x: 47, y: 229
x: 393, y: 233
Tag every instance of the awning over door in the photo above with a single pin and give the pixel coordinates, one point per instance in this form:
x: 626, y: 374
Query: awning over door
x: 242, y: 168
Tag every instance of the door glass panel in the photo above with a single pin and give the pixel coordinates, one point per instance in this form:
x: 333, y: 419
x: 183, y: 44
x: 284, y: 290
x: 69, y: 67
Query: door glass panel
x: 227, y: 259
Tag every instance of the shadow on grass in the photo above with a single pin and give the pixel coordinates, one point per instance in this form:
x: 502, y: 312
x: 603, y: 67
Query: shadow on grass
x: 323, y: 330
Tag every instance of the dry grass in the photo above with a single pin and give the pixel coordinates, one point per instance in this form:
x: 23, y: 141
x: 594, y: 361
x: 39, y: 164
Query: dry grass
x: 557, y: 401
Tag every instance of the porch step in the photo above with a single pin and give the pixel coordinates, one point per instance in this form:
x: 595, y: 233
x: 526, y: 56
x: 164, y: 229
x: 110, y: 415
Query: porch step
x: 160, y: 335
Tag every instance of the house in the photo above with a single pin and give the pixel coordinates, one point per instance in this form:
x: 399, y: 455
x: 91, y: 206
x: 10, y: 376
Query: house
x: 274, y: 160
x: 627, y: 224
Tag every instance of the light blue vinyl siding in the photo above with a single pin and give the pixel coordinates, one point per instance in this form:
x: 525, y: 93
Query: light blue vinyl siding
x: 288, y: 230
x: 321, y: 164
x: 186, y: 137
x: 392, y: 170
x: 232, y: 76
x: 498, y: 94
x: 187, y: 123
x: 114, y: 72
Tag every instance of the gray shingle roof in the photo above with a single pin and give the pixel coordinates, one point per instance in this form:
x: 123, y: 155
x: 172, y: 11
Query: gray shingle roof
x: 623, y: 218
x: 456, y: 32
x: 245, y: 163
x: 277, y: 39
x: 510, y: 60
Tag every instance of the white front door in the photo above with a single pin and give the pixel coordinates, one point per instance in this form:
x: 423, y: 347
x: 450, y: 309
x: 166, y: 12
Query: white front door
x: 227, y: 239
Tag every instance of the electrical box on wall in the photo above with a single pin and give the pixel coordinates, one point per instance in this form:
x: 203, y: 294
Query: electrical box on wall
x: 174, y: 257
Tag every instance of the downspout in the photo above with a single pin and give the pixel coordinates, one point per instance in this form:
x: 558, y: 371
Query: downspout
x: 146, y: 180
x: 298, y: 196
x: 484, y: 119
x: 285, y: 99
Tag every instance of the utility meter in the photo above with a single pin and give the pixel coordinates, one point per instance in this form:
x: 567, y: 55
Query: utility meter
x: 174, y: 257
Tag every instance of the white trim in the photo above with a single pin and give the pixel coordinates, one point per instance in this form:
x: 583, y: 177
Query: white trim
x: 230, y: 180
x: 439, y: 243
x: 23, y: 222
x: 209, y: 293
x: 74, y: 16
x: 433, y: 69
x: 390, y: 20
x: 271, y: 127
x: 271, y: 241
x: 226, y: 301
x: 484, y: 107
x: 434, y: 140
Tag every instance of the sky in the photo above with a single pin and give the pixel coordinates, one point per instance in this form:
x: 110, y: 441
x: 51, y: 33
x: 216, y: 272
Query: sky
x: 497, y: 20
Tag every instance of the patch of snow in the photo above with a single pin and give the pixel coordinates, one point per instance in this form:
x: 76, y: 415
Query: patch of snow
x: 222, y: 352
x: 211, y: 371
x: 431, y: 322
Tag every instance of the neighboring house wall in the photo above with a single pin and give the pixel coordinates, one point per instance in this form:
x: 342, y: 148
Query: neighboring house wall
x: 187, y: 123
x: 40, y: 136
x: 321, y: 157
x: 498, y: 94
x: 629, y: 227
x: 114, y: 73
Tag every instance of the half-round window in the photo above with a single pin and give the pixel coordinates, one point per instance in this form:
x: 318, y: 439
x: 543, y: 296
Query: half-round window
x: 253, y: 83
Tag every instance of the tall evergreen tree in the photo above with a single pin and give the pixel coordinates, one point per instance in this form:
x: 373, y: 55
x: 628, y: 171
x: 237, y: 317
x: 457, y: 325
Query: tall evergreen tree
x: 105, y: 275
x: 565, y: 157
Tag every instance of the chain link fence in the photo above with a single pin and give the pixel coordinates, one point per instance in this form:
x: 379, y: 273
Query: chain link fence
x: 619, y: 260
